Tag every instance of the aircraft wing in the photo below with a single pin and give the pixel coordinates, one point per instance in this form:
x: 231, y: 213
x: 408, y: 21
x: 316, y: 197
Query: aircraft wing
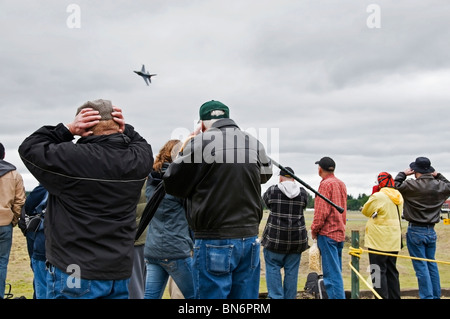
x: 143, y: 68
x: 145, y: 79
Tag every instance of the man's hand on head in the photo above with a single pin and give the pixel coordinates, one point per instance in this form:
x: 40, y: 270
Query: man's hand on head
x: 118, y: 118
x: 86, y: 119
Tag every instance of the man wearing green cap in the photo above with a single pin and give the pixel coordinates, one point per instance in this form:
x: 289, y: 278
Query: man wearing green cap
x: 220, y: 173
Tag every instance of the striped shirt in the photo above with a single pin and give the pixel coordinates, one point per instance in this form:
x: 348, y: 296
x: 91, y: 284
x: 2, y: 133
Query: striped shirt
x: 327, y: 220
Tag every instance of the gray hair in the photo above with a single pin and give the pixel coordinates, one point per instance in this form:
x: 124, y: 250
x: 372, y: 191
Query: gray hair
x: 209, y: 123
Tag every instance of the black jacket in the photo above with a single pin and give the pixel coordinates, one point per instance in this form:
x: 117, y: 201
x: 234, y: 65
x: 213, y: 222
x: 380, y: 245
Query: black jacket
x: 220, y: 174
x: 94, y: 187
x: 423, y: 196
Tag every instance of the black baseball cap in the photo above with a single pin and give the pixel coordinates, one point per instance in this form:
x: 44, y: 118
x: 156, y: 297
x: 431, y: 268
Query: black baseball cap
x: 287, y: 172
x: 327, y: 164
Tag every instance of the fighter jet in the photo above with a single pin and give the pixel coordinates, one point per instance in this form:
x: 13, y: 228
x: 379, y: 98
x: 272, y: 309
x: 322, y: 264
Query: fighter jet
x: 145, y: 75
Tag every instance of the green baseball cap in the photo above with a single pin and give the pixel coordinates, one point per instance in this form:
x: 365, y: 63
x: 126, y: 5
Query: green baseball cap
x: 208, y: 107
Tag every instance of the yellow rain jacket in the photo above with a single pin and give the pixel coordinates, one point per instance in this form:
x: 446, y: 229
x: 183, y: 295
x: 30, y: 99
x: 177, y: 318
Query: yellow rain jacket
x: 383, y: 230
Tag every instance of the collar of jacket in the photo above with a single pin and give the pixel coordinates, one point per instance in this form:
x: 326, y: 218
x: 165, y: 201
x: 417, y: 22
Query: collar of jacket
x: 118, y: 138
x: 426, y: 176
x: 224, y: 123
x: 6, y: 167
x: 156, y: 175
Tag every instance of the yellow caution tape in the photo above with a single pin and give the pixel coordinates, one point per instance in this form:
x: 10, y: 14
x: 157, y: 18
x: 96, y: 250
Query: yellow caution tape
x: 358, y: 251
x: 365, y: 282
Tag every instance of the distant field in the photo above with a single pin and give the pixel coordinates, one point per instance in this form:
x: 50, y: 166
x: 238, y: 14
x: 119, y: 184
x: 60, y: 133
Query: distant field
x: 20, y: 275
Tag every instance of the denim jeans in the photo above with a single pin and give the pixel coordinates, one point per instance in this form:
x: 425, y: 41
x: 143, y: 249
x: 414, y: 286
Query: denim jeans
x: 40, y: 278
x: 276, y: 287
x: 227, y: 268
x: 331, y: 252
x: 62, y: 285
x: 421, y: 242
x: 5, y: 249
x: 158, y: 272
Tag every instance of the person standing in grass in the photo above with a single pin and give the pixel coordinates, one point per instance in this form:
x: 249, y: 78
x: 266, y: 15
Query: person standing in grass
x: 12, y: 198
x: 328, y: 227
x: 284, y: 237
x: 424, y: 197
x: 168, y: 245
x: 219, y: 172
x: 383, y: 234
x: 94, y: 186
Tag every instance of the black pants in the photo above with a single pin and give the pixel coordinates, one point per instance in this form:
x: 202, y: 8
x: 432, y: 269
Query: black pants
x: 384, y: 274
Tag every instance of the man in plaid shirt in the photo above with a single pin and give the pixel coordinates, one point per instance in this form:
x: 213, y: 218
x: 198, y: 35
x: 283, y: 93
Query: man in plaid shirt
x: 328, y: 227
x: 285, y: 236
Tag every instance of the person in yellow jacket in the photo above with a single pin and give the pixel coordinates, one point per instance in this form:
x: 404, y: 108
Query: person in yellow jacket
x: 384, y: 234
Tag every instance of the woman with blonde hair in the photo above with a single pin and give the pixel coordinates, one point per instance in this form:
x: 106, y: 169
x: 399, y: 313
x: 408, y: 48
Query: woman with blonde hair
x: 169, y: 244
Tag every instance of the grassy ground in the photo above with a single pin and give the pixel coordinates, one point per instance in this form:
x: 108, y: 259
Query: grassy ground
x: 20, y: 275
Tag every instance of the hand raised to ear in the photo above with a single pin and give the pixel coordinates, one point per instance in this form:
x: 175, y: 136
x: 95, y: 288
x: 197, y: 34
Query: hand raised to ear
x: 85, y: 119
x: 118, y: 117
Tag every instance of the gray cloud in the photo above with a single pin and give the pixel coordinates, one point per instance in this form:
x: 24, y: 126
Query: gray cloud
x: 373, y: 99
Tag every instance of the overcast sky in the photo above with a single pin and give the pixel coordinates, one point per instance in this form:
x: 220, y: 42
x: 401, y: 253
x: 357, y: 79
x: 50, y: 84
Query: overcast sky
x: 364, y: 82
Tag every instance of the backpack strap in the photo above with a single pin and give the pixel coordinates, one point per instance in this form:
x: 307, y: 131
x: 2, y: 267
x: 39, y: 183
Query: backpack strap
x: 400, y: 222
x: 42, y: 205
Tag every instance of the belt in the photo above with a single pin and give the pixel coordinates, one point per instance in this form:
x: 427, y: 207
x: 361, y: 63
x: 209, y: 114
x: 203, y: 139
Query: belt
x: 421, y: 224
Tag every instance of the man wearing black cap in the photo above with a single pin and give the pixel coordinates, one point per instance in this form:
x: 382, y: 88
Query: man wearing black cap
x: 94, y: 186
x: 284, y: 237
x: 328, y: 227
x: 220, y: 173
x: 424, y: 197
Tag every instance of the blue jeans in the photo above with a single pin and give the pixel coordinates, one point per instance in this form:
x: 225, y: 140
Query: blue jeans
x: 276, y: 287
x: 421, y: 242
x: 5, y: 248
x: 62, y: 285
x: 158, y: 272
x: 227, y: 268
x: 40, y: 278
x: 331, y: 252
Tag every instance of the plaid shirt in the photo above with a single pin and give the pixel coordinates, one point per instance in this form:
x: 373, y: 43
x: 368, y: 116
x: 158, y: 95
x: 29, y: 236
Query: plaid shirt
x: 285, y: 230
x: 327, y: 220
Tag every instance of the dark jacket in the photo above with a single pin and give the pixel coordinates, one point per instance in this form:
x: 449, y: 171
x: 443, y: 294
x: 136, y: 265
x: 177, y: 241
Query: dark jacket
x: 35, y: 204
x: 285, y: 230
x: 139, y: 211
x: 220, y: 174
x: 94, y: 187
x: 423, y: 197
x: 168, y: 234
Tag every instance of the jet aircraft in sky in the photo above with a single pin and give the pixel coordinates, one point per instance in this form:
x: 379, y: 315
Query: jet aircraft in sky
x: 145, y: 75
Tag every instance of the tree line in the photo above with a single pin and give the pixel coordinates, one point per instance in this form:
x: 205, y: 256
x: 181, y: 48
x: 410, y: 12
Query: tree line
x: 352, y: 203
